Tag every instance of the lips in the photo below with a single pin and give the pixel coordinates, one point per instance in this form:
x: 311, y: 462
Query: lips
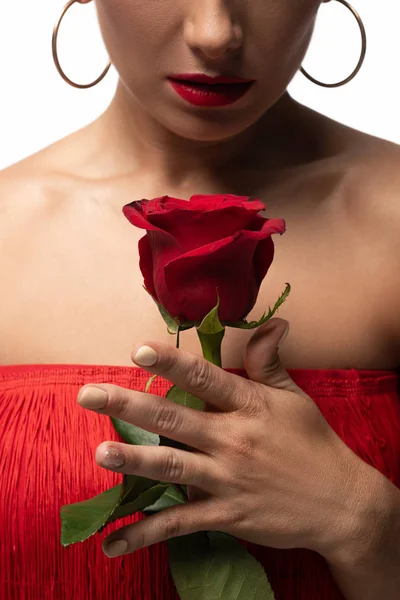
x: 201, y: 78
x: 201, y: 90
x: 212, y: 88
x: 211, y: 96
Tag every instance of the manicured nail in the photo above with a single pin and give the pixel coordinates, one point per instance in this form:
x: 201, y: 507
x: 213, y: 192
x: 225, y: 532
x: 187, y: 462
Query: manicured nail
x: 93, y: 398
x: 116, y: 548
x: 284, y: 336
x: 113, y: 457
x: 146, y: 356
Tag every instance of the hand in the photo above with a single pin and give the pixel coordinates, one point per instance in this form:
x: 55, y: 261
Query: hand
x: 265, y: 466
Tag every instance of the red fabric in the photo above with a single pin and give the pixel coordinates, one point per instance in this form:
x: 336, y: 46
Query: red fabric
x: 47, y: 460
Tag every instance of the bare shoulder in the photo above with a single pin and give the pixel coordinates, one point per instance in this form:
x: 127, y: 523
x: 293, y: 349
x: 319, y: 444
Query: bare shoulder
x: 30, y: 196
x: 371, y: 191
x: 21, y: 196
x: 30, y: 184
x: 368, y: 169
x: 370, y: 207
x: 380, y: 172
x: 372, y: 200
x: 48, y: 172
x: 21, y: 189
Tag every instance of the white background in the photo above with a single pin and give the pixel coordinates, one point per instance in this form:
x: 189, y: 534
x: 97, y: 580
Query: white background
x: 37, y: 107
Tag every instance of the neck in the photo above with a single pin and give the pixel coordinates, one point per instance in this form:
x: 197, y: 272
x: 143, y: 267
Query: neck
x: 134, y: 142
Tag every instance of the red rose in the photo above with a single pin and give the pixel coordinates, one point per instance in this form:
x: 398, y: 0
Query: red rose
x: 192, y: 248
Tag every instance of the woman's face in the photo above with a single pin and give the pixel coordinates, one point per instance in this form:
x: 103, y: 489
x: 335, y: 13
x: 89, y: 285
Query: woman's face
x: 261, y: 40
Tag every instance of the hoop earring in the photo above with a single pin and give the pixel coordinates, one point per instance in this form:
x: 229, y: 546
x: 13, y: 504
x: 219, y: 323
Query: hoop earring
x: 55, y: 56
x: 362, y: 57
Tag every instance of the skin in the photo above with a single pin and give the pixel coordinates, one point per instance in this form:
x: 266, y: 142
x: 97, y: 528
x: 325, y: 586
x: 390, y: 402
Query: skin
x: 336, y: 188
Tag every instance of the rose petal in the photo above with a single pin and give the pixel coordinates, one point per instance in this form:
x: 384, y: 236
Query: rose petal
x: 207, y: 202
x: 268, y: 227
x: 192, y: 280
x: 164, y: 204
x: 264, y: 252
x: 164, y: 249
x: 196, y: 230
x: 146, y: 264
x: 263, y: 257
x: 136, y: 215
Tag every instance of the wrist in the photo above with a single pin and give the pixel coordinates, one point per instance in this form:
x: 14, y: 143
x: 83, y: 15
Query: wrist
x: 370, y: 527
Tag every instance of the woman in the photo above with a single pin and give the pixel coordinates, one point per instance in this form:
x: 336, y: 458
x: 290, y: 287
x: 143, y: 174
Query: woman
x: 323, y: 418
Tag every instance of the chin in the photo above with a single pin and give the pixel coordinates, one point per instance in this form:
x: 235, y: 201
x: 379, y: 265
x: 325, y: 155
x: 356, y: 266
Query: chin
x: 210, y: 127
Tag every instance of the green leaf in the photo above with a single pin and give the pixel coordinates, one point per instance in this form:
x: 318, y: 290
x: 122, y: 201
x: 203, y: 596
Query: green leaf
x: 135, y: 435
x: 216, y: 566
x: 211, y: 323
x: 171, y: 322
x: 170, y: 497
x: 184, y: 399
x: 142, y: 501
x: 83, y: 519
x: 133, y: 485
x: 265, y: 317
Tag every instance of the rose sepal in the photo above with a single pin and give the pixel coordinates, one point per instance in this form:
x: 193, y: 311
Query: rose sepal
x: 173, y: 324
x: 211, y: 333
x: 243, y: 324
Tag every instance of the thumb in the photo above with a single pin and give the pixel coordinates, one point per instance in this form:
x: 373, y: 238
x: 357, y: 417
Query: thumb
x: 262, y: 362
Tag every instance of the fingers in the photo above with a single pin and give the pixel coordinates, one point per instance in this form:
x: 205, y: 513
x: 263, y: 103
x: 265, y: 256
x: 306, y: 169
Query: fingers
x: 153, y: 413
x: 194, y: 374
x: 169, y: 523
x: 160, y: 463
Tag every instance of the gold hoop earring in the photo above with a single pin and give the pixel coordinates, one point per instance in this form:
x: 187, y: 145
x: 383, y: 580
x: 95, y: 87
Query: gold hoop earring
x: 362, y: 57
x: 55, y: 56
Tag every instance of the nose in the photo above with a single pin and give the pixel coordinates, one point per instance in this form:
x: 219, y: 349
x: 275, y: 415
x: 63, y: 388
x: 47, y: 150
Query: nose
x: 212, y: 29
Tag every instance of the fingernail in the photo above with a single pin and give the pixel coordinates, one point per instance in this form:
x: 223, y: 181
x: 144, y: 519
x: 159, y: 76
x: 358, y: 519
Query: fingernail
x: 284, y: 336
x: 146, y: 356
x: 113, y: 457
x: 116, y: 548
x: 93, y: 397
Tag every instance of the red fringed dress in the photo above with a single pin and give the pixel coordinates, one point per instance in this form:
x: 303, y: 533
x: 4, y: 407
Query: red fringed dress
x: 47, y: 459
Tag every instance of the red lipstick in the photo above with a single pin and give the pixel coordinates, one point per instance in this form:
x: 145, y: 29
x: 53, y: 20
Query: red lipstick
x: 201, y: 90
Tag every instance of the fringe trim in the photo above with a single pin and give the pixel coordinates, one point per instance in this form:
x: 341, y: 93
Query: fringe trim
x: 47, y: 460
